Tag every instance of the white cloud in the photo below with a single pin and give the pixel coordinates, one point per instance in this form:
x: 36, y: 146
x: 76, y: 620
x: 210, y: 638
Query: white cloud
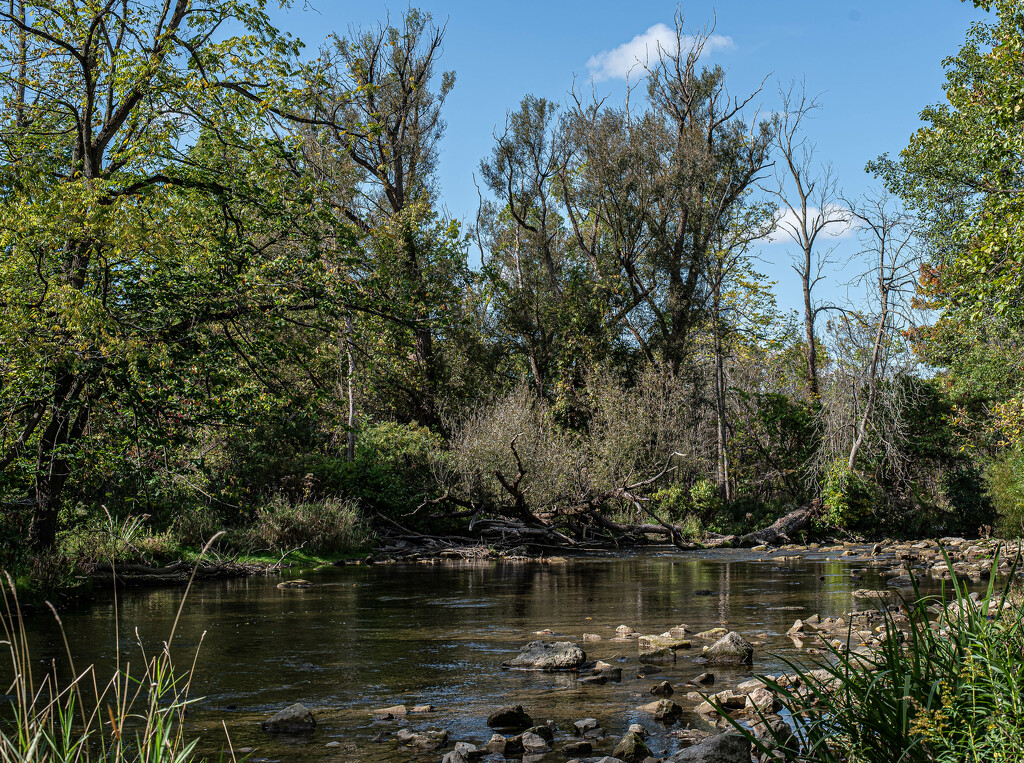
x: 840, y: 224
x: 644, y: 49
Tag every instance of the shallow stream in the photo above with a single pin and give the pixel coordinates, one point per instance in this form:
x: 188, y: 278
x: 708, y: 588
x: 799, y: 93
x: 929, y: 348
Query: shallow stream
x: 370, y: 637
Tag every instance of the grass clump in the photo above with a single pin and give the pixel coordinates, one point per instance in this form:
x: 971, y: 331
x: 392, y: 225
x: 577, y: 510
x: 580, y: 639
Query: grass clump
x: 134, y: 716
x: 331, y: 525
x: 950, y: 691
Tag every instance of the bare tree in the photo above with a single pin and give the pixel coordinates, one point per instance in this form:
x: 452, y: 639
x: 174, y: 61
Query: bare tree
x: 808, y: 198
x: 866, y: 397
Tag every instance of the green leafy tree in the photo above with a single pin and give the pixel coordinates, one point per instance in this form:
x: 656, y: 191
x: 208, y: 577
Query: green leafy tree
x: 153, y: 230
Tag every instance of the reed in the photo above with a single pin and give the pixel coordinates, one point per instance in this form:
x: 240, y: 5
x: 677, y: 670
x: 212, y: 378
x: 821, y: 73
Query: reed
x: 135, y: 715
x: 951, y: 689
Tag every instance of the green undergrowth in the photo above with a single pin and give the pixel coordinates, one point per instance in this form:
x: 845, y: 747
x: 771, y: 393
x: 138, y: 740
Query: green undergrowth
x: 950, y: 690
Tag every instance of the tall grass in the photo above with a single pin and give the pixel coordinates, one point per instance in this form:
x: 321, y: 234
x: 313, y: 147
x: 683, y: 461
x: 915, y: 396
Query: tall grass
x: 135, y: 715
x: 950, y: 690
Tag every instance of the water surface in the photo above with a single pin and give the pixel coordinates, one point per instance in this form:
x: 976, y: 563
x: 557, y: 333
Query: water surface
x: 369, y: 637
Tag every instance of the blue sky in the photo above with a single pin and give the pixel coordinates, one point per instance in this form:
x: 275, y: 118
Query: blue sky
x: 874, y: 64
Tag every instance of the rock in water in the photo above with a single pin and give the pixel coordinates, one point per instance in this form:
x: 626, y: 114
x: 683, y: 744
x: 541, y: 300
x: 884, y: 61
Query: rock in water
x: 511, y: 717
x: 732, y: 648
x: 724, y: 748
x: 631, y: 748
x: 296, y: 719
x: 548, y: 655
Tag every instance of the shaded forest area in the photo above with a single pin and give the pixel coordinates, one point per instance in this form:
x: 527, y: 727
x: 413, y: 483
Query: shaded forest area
x: 230, y: 298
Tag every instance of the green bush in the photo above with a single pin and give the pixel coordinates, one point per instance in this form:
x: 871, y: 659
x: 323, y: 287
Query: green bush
x: 949, y: 692
x: 325, y: 526
x: 847, y: 496
x: 1004, y: 480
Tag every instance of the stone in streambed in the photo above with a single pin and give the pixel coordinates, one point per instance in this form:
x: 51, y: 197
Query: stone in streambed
x: 432, y: 739
x: 510, y: 717
x: 732, y: 649
x: 724, y: 748
x: 295, y: 719
x: 548, y: 655
x: 631, y: 748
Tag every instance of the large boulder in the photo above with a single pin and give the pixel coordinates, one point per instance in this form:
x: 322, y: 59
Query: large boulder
x: 732, y: 649
x: 724, y: 748
x: 295, y: 719
x: 548, y: 655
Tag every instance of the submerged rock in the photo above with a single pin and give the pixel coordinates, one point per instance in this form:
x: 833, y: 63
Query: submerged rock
x: 295, y: 719
x: 548, y: 655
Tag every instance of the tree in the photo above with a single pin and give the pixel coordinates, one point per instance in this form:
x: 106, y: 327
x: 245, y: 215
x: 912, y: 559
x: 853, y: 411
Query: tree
x: 381, y: 122
x: 542, y: 294
x: 808, y: 197
x: 648, y: 194
x: 151, y: 230
x: 961, y: 173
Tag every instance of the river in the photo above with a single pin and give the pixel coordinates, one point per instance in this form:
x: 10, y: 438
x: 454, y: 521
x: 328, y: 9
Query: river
x: 369, y: 637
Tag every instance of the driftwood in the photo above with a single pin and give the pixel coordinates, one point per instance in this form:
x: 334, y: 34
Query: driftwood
x: 782, y: 530
x: 173, y: 574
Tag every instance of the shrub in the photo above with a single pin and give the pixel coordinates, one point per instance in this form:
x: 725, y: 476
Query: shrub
x: 1004, y: 480
x: 846, y: 495
x: 951, y: 691
x: 329, y: 525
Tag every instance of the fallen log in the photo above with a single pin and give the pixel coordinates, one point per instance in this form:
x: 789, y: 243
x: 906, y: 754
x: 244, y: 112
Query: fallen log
x: 782, y: 530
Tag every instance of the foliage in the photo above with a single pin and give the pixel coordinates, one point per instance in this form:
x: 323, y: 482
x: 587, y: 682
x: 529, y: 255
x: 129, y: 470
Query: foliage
x: 328, y: 525
x: 131, y: 716
x: 847, y: 496
x: 952, y: 691
x: 1004, y: 480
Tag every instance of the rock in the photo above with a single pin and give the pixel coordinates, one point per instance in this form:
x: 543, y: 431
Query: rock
x: 664, y: 689
x: 296, y: 584
x: 762, y: 700
x: 548, y: 655
x: 469, y: 750
x: 391, y: 712
x: 534, y: 742
x: 510, y: 717
x: 333, y: 744
x: 750, y: 685
x: 422, y: 709
x: 797, y: 629
x: 585, y: 725
x: 660, y: 655
x: 712, y: 633
x: 570, y: 749
x: 610, y: 673
x: 705, y: 679
x: 864, y: 593
x: 624, y: 631
x: 636, y: 728
x: 663, y: 710
x: 295, y: 719
x: 508, y: 747
x: 591, y: 637
x: 546, y: 732
x: 432, y: 739
x: 724, y: 748
x: 655, y: 643
x: 732, y: 649
x: 595, y: 680
x: 631, y: 748
x: 455, y: 756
